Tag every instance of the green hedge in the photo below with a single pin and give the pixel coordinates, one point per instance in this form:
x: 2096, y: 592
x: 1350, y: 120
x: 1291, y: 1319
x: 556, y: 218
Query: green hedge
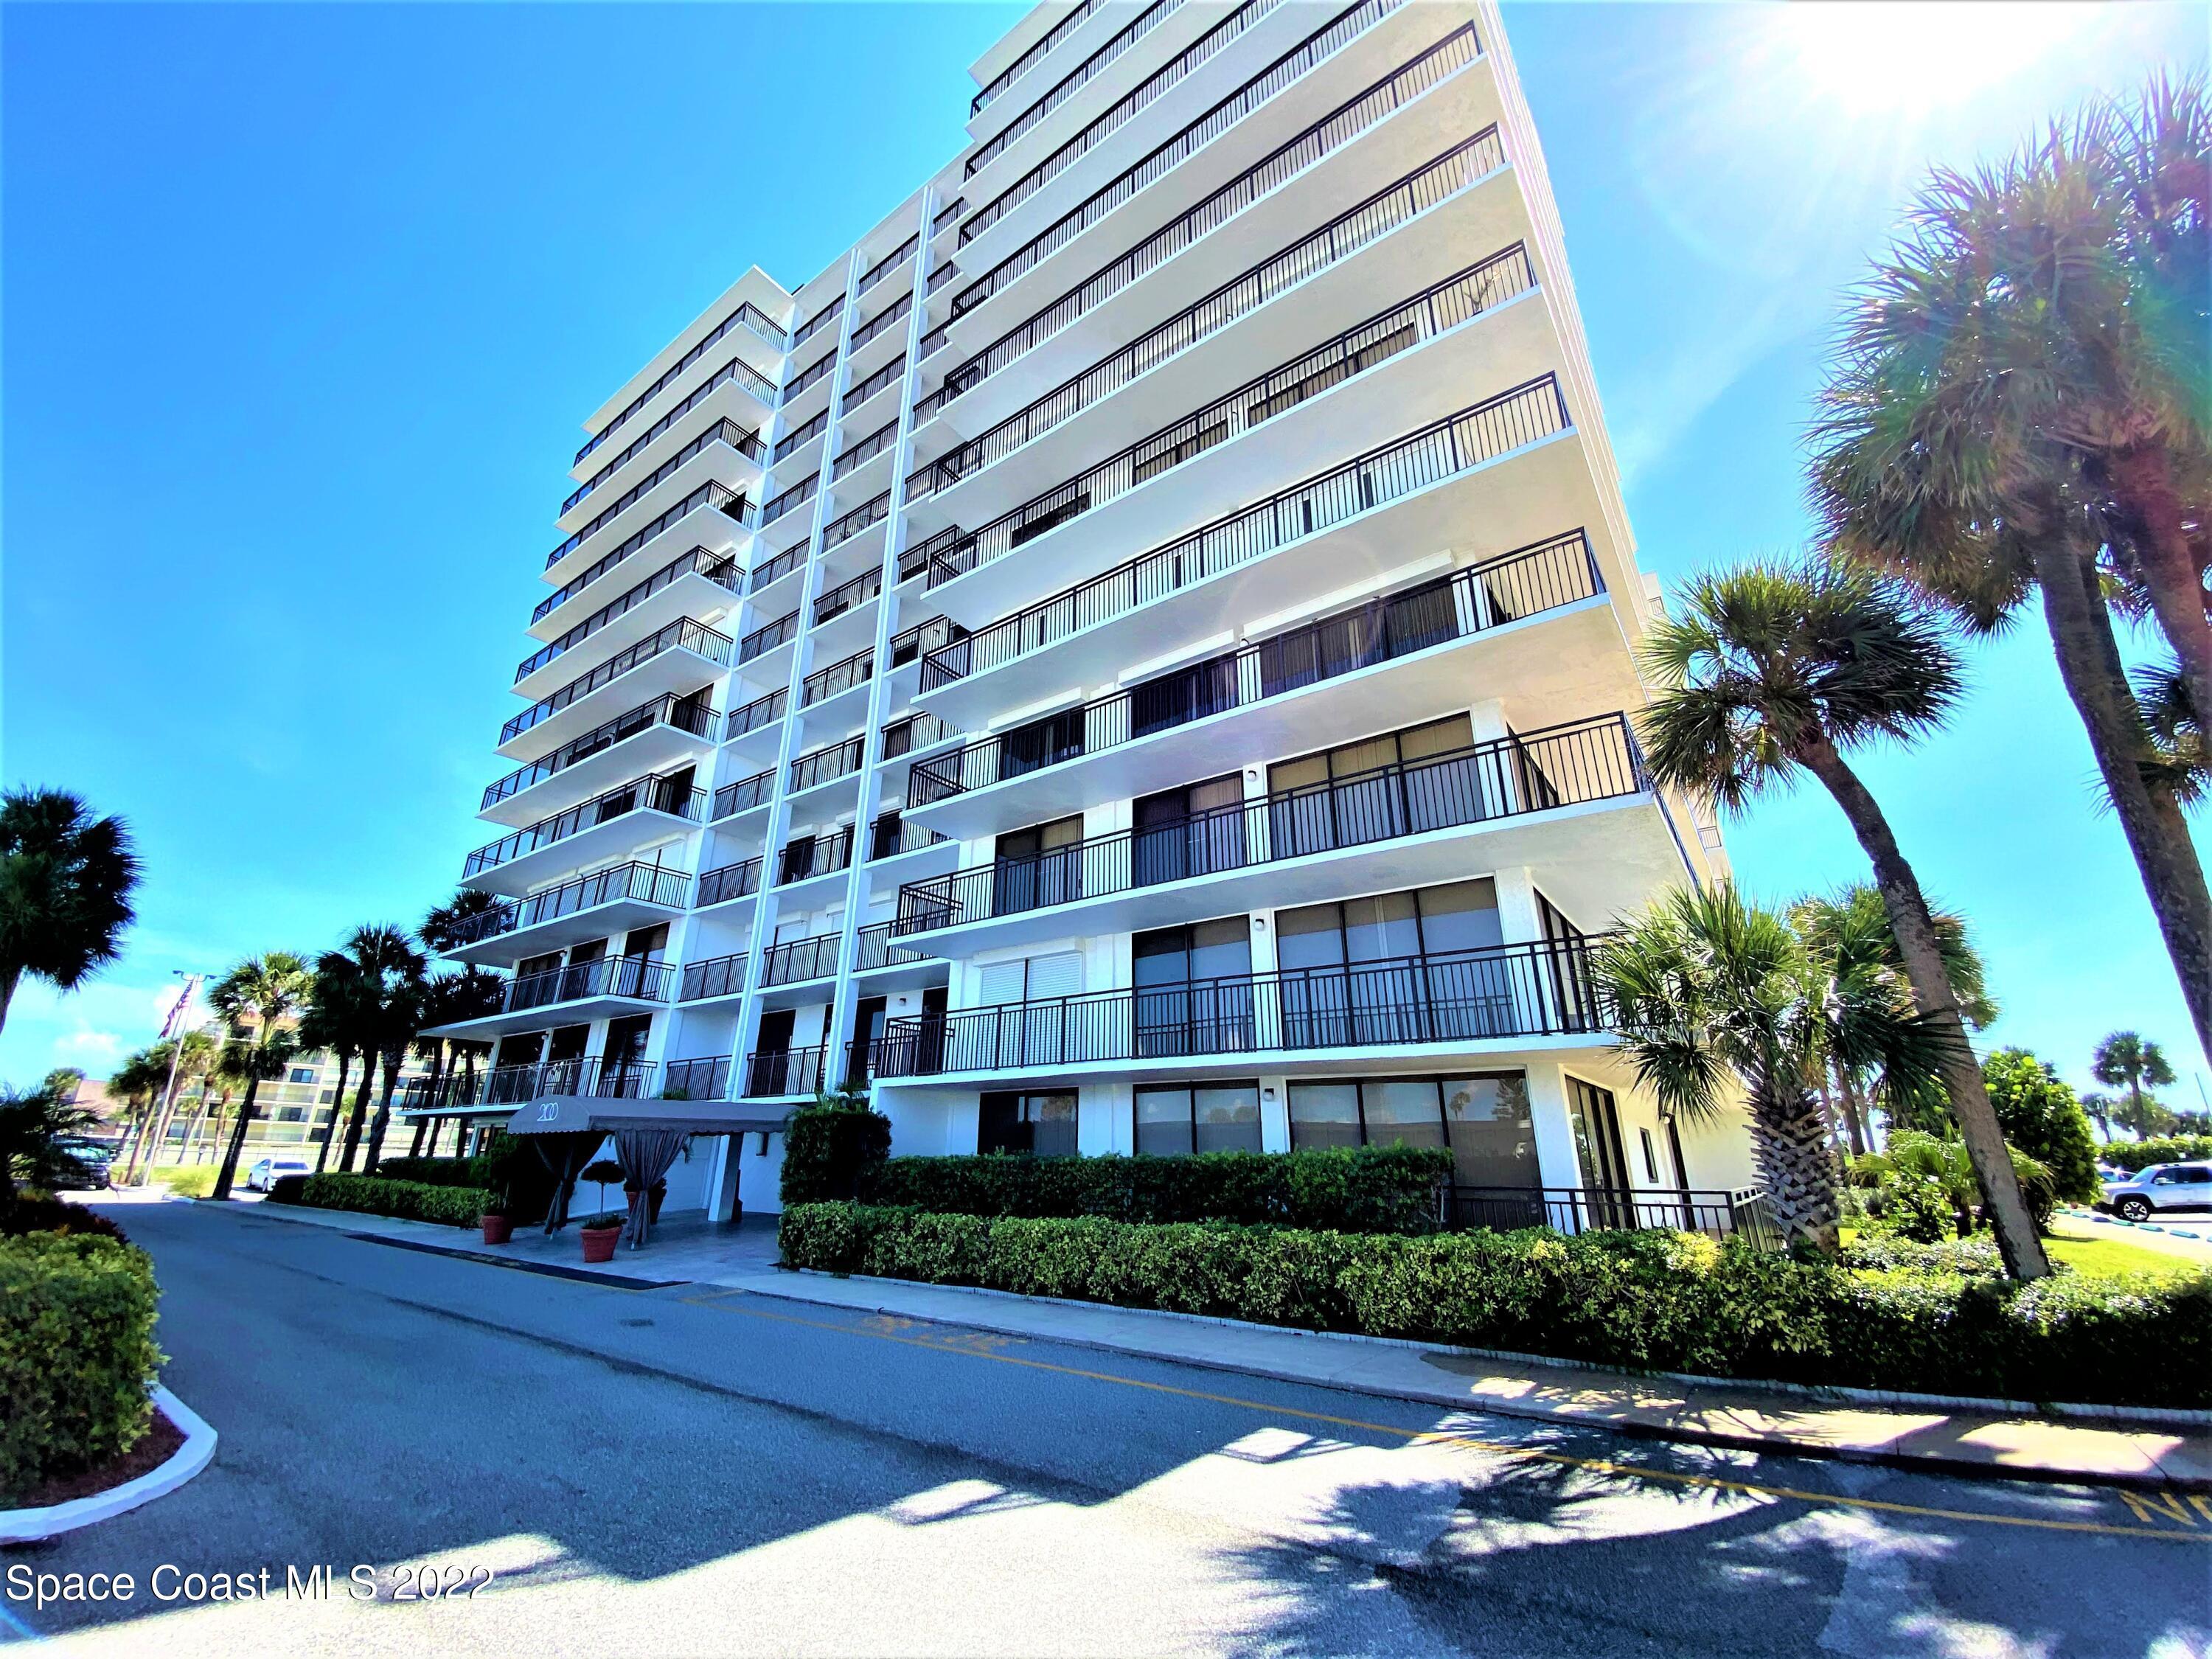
x: 412, y: 1200
x: 1364, y: 1189
x: 436, y: 1172
x: 1644, y: 1300
x: 2169, y: 1149
x: 76, y: 1355
x: 829, y: 1150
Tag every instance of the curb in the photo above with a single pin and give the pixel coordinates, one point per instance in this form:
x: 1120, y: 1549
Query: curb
x: 1769, y: 1445
x: 29, y: 1526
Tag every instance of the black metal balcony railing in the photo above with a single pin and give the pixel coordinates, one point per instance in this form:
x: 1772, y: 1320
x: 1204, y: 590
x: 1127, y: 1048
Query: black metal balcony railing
x: 735, y: 369
x: 1457, y: 169
x: 767, y: 575
x: 768, y: 1074
x: 1330, y: 132
x: 730, y: 881
x: 759, y: 713
x: 719, y: 569
x: 723, y: 431
x: 1522, y: 583
x: 883, y: 267
x: 1037, y: 52
x: 671, y: 794
x: 846, y: 525
x: 889, y: 317
x: 891, y: 835
x: 800, y: 436
x: 1464, y: 996
x: 799, y: 959
x: 873, y: 948
x: 1447, y: 305
x: 709, y: 496
x: 820, y: 320
x: 858, y: 394
x: 938, y: 278
x: 931, y: 634
x: 827, y: 763
x: 855, y: 670
x: 745, y: 316
x: 638, y: 979
x: 588, y: 1076
x: 1456, y: 444
x: 817, y: 855
x: 867, y: 449
x: 767, y: 637
x: 743, y: 795
x: 713, y: 976
x: 792, y: 499
x: 818, y: 370
x: 917, y: 731
x: 1338, y: 129
x: 1509, y: 777
x: 687, y: 712
x: 945, y: 215
x: 835, y: 602
x: 1169, y: 76
x: 696, y: 1079
x: 1718, y: 1214
x: 648, y: 884
x: 685, y: 635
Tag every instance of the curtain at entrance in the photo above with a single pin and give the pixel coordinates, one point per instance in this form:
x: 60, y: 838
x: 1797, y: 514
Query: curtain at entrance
x: 564, y: 1155
x: 646, y: 1156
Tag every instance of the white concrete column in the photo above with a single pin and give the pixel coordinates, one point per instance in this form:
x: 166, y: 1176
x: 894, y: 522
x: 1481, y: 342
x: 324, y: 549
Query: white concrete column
x: 1274, y: 1114
x: 1556, y: 1162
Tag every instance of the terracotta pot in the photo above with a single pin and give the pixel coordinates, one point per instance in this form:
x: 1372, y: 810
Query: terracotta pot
x: 497, y: 1229
x: 599, y: 1242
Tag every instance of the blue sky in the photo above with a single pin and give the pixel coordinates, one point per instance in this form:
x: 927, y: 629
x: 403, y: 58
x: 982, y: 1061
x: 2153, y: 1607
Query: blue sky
x: 302, y: 305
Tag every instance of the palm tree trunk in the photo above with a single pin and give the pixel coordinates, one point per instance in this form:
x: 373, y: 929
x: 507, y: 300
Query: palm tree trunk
x: 228, y: 1173
x: 9, y: 978
x: 1797, y: 1163
x: 2141, y: 477
x: 1909, y: 919
x: 337, y: 1111
x: 2089, y: 664
x: 360, y: 1111
x: 1854, y: 1125
x: 383, y: 1110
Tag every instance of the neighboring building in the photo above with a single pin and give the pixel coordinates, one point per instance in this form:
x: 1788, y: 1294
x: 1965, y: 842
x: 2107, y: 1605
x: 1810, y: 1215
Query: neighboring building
x: 294, y: 1109
x: 1135, y: 656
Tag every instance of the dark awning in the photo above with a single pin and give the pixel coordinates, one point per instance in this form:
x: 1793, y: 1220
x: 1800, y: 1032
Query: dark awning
x: 565, y: 1114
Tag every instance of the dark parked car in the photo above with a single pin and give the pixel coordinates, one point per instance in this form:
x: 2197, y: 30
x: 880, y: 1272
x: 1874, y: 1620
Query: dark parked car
x: 91, y: 1158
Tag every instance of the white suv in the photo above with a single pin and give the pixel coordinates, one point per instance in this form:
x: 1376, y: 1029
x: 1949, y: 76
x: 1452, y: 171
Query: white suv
x: 2160, y: 1187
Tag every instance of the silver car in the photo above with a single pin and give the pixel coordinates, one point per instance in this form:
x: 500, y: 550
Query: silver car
x: 2159, y: 1188
x: 262, y: 1176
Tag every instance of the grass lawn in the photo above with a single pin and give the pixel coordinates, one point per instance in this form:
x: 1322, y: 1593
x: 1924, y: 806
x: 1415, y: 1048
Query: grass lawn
x: 2108, y: 1258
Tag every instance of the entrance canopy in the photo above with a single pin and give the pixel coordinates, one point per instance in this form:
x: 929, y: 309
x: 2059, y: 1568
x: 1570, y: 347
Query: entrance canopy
x: 566, y: 1114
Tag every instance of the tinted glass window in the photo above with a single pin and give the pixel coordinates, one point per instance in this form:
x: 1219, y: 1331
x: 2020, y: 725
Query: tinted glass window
x: 1402, y: 1112
x: 1492, y: 1133
x: 1324, y: 1115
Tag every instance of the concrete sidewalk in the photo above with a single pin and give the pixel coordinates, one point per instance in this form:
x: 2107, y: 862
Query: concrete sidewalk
x: 2168, y: 1451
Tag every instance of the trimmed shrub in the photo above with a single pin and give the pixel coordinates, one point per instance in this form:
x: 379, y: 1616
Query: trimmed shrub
x: 76, y: 1355
x: 42, y: 1213
x: 833, y: 1150
x: 2041, y: 1117
x: 435, y: 1171
x: 411, y: 1200
x: 1358, y: 1189
x: 286, y: 1189
x: 1642, y: 1300
x: 1884, y: 1251
x: 2133, y: 1155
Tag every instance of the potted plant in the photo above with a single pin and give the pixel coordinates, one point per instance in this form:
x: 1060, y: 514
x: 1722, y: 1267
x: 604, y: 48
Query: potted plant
x: 599, y: 1234
x: 601, y: 1173
x: 498, y: 1218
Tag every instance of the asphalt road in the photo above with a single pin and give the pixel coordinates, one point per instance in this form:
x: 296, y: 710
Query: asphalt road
x: 686, y: 1471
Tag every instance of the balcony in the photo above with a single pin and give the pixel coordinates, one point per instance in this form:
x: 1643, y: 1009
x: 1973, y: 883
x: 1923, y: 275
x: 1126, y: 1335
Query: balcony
x: 735, y: 374
x: 1337, y: 127
x: 717, y: 507
x: 650, y: 737
x: 1394, y: 825
x: 744, y: 795
x: 668, y: 803
x: 825, y: 854
x: 738, y: 440
x: 727, y: 884
x: 586, y: 1076
x: 761, y: 714
x: 1465, y: 1003
x: 859, y: 453
x: 701, y: 581
x: 676, y: 657
x: 1533, y: 624
x: 887, y: 965
x: 1038, y: 51
x: 827, y: 763
x: 883, y: 267
x: 573, y: 996
x: 838, y: 678
x: 1428, y: 388
x: 746, y: 317
x: 780, y: 1075
x: 597, y: 906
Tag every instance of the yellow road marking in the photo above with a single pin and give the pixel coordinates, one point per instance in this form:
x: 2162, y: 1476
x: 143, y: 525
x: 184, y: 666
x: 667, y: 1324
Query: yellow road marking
x: 2147, y: 1506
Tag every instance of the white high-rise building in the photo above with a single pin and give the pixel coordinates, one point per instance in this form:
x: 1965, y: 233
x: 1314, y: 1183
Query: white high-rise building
x: 1135, y: 656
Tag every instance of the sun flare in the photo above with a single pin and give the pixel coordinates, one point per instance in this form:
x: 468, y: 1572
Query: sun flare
x: 1892, y: 54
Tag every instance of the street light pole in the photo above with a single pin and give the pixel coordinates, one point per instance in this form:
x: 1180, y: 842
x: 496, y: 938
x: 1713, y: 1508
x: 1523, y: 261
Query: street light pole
x: 173, y: 1026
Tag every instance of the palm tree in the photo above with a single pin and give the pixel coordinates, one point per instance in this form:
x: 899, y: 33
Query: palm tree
x: 389, y: 972
x: 257, y: 1000
x: 1917, y: 1152
x: 2126, y: 1059
x: 442, y: 928
x: 451, y: 1000
x: 2017, y: 406
x: 1777, y: 669
x: 35, y: 1125
x: 336, y: 1022
x: 2099, y: 1109
x: 66, y: 879
x: 1706, y: 988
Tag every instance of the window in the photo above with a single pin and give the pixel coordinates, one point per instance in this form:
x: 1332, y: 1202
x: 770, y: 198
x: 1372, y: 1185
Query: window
x: 291, y: 1114
x: 1651, y: 1157
x: 1482, y: 1119
x: 300, y: 1074
x: 1408, y: 967
x: 1042, y: 1124
x: 1194, y: 831
x: 1176, y: 1118
x: 1193, y: 988
x: 1037, y: 866
x: 1397, y: 784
